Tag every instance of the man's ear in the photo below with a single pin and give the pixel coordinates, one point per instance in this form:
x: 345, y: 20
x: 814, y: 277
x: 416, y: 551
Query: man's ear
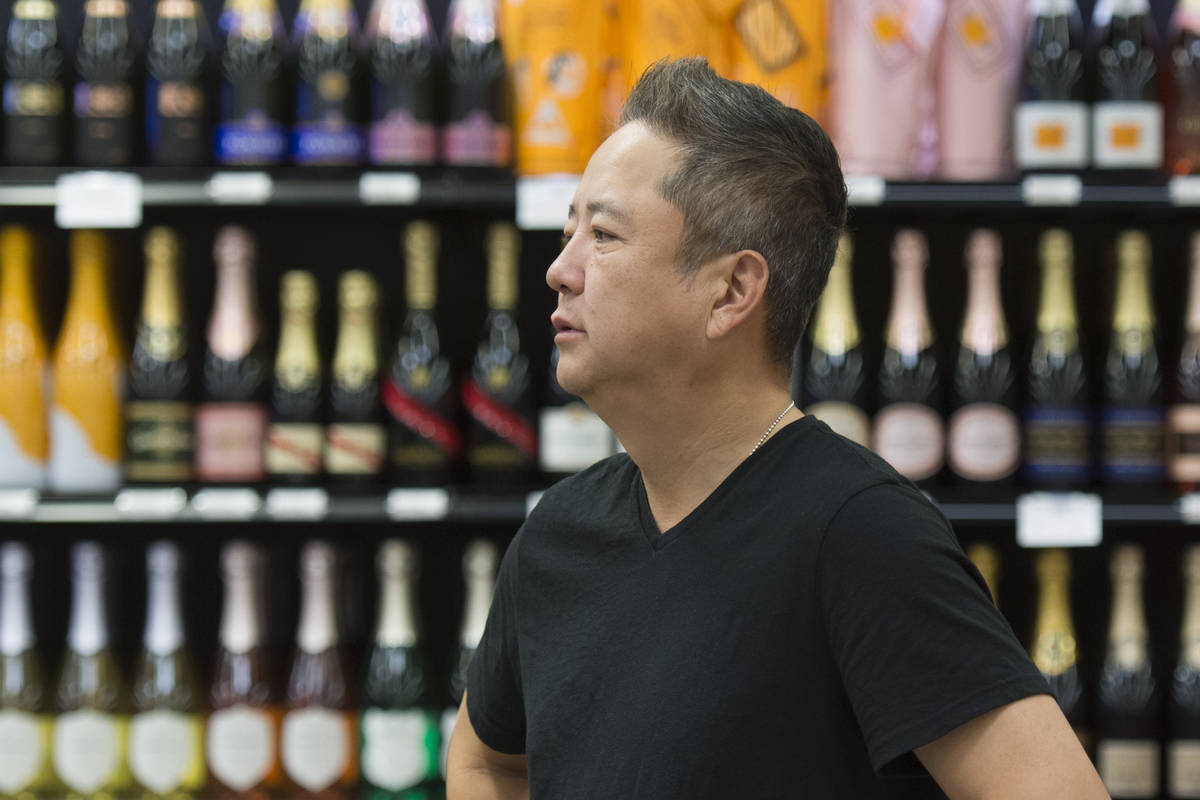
x: 742, y: 284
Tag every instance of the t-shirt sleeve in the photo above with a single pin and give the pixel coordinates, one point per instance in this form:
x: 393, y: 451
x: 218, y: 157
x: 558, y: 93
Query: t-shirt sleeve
x: 920, y: 647
x: 495, y: 702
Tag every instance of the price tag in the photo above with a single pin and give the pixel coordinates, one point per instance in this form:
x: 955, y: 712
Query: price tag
x: 1184, y: 190
x: 865, y: 190
x: 1052, y: 519
x: 240, y: 188
x: 1189, y: 508
x: 1052, y: 190
x: 389, y: 188
x: 98, y: 200
x: 150, y: 503
x: 531, y: 502
x: 297, y: 503
x: 18, y: 503
x: 542, y: 201
x: 238, y: 503
x: 418, y: 504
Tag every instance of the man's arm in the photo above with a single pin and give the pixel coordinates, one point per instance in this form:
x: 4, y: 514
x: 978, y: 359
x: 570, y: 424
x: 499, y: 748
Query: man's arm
x: 475, y: 771
x: 1025, y: 749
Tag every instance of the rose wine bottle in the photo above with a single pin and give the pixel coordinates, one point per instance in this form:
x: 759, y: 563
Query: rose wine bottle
x: 403, y: 61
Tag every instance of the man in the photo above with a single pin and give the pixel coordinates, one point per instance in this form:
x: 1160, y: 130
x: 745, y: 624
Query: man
x: 746, y: 605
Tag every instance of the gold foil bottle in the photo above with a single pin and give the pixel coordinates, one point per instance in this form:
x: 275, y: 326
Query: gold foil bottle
x: 24, y: 441
x: 296, y: 435
x: 1055, y: 649
x: 355, y: 442
x: 987, y: 561
x: 1183, y: 415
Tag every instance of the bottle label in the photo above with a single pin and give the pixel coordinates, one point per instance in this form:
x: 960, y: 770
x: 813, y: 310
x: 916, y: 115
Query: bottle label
x: 845, y: 419
x: 240, y: 743
x: 87, y: 749
x: 74, y: 465
x: 1056, y: 445
x: 1133, y: 445
x: 294, y: 448
x: 1128, y: 134
x: 229, y: 441
x: 1129, y: 767
x: 166, y: 750
x: 449, y: 718
x: 158, y: 438
x: 423, y: 422
x: 504, y: 440
x: 354, y: 449
x: 175, y: 129
x: 1183, y: 769
x: 572, y: 437
x: 400, y: 748
x: 104, y: 123
x: 984, y: 442
x: 1183, y: 443
x: 912, y: 438
x: 317, y: 143
x: 477, y: 140
x: 316, y: 747
x: 1051, y: 135
x: 23, y: 749
x: 255, y: 140
x: 399, y: 138
x: 33, y: 98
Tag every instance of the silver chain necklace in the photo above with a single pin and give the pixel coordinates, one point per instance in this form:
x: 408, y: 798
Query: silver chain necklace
x: 791, y: 405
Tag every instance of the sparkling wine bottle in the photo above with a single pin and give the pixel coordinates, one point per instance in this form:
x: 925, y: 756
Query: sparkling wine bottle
x: 1183, y: 738
x: 34, y: 90
x: 24, y: 439
x: 254, y: 75
x: 1052, y: 122
x: 106, y: 98
x: 177, y: 84
x: 1127, y: 119
x: 328, y: 127
x: 403, y: 59
x: 987, y: 561
x: 296, y: 434
x: 1183, y: 416
x: 571, y: 437
x: 476, y: 131
x: 356, y: 442
x: 1183, y: 123
x: 1055, y: 649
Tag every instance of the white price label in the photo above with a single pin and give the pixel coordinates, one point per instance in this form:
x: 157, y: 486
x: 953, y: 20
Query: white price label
x: 297, y: 503
x: 1184, y: 190
x: 389, y: 188
x: 98, y: 200
x: 1052, y: 190
x: 240, y: 188
x: 18, y: 503
x: 150, y: 503
x: 542, y: 201
x: 1189, y: 508
x: 865, y: 190
x: 418, y: 504
x: 1052, y: 519
x: 226, y: 503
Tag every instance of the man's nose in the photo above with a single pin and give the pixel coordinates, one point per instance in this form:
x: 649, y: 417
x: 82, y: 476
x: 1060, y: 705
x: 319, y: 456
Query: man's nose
x: 565, y: 274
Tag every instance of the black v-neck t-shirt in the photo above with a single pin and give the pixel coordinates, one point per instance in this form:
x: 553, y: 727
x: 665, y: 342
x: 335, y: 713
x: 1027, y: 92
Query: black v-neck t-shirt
x: 796, y: 636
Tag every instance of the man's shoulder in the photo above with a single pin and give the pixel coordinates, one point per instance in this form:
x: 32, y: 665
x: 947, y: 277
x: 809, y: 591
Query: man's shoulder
x: 829, y: 465
x: 599, y: 488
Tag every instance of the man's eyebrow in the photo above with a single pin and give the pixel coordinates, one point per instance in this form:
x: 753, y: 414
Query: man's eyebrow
x: 600, y: 207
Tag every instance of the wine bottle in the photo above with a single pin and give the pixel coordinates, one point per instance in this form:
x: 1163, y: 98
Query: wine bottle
x: 231, y: 420
x: 571, y: 437
x: 317, y: 742
x: 328, y: 126
x: 419, y: 389
x: 355, y: 442
x: 91, y: 728
x: 479, y: 574
x: 106, y: 102
x: 399, y: 728
x: 835, y: 370
x: 1183, y: 124
x: 476, y: 131
x: 987, y: 561
x: 1055, y: 649
x: 296, y: 434
x: 1052, y: 122
x: 253, y: 110
x: 1183, y: 743
x: 166, y: 734
x: 403, y: 58
x: 177, y: 81
x: 24, y: 441
x: 34, y: 90
x: 501, y: 439
x: 1127, y: 117
x: 25, y: 728
x: 86, y: 431
x: 158, y: 410
x: 1057, y: 416
x: 909, y: 433
x: 984, y: 436
x: 1183, y: 416
x: 1133, y: 412
x: 1127, y: 710
x: 242, y: 735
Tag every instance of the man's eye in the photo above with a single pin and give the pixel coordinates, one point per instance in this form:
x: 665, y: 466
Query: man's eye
x: 600, y: 236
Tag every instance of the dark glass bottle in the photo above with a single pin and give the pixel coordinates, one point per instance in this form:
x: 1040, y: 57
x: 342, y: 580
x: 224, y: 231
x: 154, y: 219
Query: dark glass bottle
x: 328, y: 127
x: 106, y: 96
x: 476, y: 130
x: 1052, y: 116
x: 1055, y: 650
x: 251, y: 129
x: 296, y: 434
x: 355, y: 441
x: 403, y: 59
x: 34, y: 90
x: 1127, y: 117
x: 1183, y: 123
x: 177, y: 84
x: 1183, y: 736
x: 1183, y: 415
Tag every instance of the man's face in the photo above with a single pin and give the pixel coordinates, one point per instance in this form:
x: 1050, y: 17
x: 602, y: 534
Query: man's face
x: 625, y: 315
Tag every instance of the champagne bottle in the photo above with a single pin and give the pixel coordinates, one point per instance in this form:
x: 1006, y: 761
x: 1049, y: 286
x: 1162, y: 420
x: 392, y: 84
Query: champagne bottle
x: 1055, y: 649
x: 1057, y: 417
x: 296, y: 433
x: 254, y: 53
x: 1183, y: 745
x: 1133, y: 413
x: 909, y: 432
x: 987, y: 561
x: 571, y: 437
x: 1127, y: 723
x: 403, y: 58
x: 501, y: 441
x: 476, y: 131
x: 25, y: 728
x: 1183, y: 124
x: 24, y: 442
x: 399, y: 728
x: 231, y: 421
x: 34, y: 91
x: 419, y: 390
x: 479, y: 574
x: 86, y: 432
x: 158, y: 410
x: 835, y: 371
x: 177, y: 106
x: 984, y: 435
x: 166, y: 734
x: 242, y: 735
x: 317, y: 742
x: 1052, y: 123
x: 1127, y: 121
x: 106, y: 103
x: 1183, y: 416
x: 90, y: 732
x: 328, y: 125
x: 356, y: 443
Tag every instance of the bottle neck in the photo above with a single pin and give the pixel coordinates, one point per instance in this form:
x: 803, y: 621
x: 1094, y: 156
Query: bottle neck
x: 17, y: 300
x: 355, y: 360
x: 160, y: 299
x: 479, y: 601
x: 984, y: 330
x: 88, y: 295
x: 502, y: 286
x: 241, y: 625
x: 397, y: 612
x: 1192, y: 320
x: 233, y: 327
x: 16, y: 623
x: 1133, y: 311
x: 164, y: 621
x: 909, y: 331
x: 297, y: 363
x: 1190, y: 636
x: 88, y: 631
x: 835, y: 329
x: 1057, y: 309
x: 1054, y: 633
x: 1127, y: 634
x: 318, y: 621
x: 420, y: 282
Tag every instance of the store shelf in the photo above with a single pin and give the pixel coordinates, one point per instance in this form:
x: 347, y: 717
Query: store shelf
x: 1094, y: 190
